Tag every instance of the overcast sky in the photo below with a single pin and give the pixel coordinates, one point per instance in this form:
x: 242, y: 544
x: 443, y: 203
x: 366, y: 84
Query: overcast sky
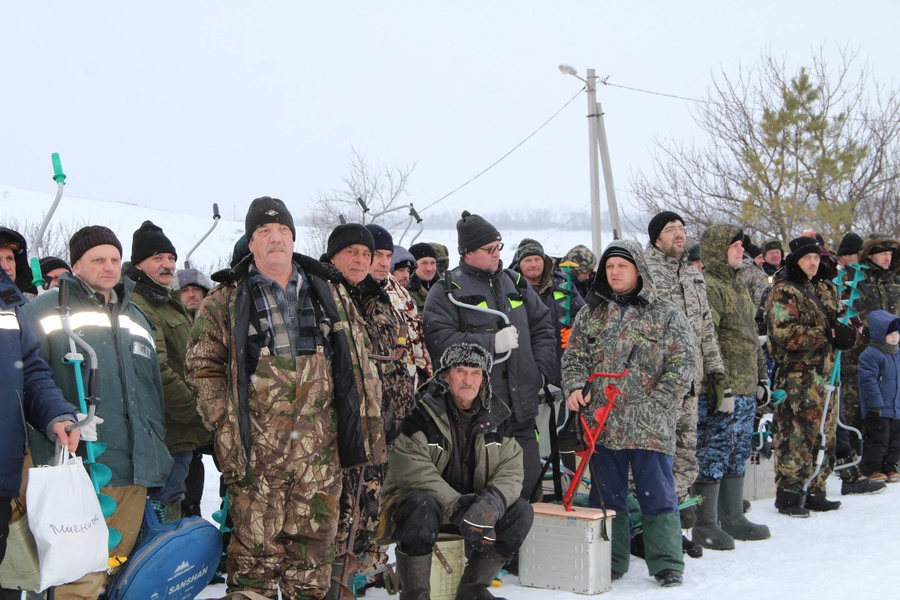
x: 178, y: 104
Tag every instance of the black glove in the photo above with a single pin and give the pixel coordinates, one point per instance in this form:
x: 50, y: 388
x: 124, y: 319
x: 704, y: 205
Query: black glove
x: 874, y: 413
x: 476, y: 523
x: 842, y: 337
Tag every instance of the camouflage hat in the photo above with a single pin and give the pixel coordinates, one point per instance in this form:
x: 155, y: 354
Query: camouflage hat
x: 443, y: 256
x: 583, y: 257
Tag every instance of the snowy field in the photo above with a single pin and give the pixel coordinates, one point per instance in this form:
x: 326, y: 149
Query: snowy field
x: 848, y: 554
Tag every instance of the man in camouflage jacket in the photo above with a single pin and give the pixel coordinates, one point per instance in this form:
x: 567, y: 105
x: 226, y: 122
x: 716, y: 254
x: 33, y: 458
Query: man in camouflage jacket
x: 270, y: 359
x: 677, y: 281
x: 728, y: 404
x: 802, y: 314
x: 625, y: 315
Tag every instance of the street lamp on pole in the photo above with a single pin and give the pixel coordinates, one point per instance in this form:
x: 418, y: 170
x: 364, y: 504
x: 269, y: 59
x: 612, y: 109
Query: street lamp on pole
x: 597, y: 145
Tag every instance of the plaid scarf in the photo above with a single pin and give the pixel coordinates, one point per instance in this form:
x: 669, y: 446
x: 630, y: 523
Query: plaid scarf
x: 274, y: 333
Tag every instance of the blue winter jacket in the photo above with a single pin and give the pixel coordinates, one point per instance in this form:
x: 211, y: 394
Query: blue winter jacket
x: 879, y: 369
x: 27, y: 391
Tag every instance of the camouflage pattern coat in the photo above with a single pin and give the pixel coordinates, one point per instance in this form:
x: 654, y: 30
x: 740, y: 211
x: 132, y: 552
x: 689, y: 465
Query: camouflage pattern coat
x: 798, y: 331
x: 365, y: 370
x: 219, y: 365
x: 734, y: 313
x: 684, y: 286
x: 417, y: 357
x: 661, y: 373
x: 755, y: 279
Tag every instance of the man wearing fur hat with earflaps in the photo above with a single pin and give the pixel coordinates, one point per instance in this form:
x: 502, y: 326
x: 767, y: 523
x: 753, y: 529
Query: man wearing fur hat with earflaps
x: 455, y: 466
x: 481, y: 281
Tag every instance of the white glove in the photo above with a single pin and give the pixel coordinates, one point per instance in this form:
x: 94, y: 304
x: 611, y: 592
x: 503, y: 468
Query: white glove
x: 89, y: 431
x: 727, y: 404
x: 506, y: 339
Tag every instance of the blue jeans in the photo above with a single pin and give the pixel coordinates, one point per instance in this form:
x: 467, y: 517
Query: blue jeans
x: 176, y: 484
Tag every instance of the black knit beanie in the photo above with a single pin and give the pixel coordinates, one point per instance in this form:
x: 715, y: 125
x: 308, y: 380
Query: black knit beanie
x: 473, y: 232
x: 802, y: 246
x: 382, y: 237
x: 619, y: 252
x: 851, y: 243
x: 694, y: 252
x: 267, y: 210
x: 88, y: 237
x: 149, y: 240
x: 347, y: 235
x: 655, y: 227
x: 423, y: 250
x: 51, y: 263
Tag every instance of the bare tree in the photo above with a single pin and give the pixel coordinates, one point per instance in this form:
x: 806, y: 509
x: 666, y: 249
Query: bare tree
x: 381, y: 187
x: 814, y: 149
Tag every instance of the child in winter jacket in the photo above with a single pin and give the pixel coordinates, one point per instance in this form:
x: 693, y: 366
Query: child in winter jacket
x: 879, y: 397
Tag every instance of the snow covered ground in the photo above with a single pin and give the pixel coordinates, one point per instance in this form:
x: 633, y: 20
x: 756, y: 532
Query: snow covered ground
x: 853, y: 552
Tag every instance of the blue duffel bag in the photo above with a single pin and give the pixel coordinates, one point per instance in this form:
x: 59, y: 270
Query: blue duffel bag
x: 172, y: 561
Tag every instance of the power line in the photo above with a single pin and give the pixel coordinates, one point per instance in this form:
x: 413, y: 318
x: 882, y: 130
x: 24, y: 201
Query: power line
x: 516, y: 147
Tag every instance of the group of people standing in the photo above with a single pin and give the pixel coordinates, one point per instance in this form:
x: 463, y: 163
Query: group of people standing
x: 375, y: 395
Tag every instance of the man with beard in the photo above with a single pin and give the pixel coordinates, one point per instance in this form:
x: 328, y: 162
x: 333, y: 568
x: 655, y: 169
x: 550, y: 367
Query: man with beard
x: 152, y: 270
x: 675, y: 280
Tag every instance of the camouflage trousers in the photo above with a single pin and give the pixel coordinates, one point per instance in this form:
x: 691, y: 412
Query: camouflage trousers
x: 369, y: 509
x: 285, y: 510
x: 724, y: 440
x: 795, y: 431
x: 685, y: 466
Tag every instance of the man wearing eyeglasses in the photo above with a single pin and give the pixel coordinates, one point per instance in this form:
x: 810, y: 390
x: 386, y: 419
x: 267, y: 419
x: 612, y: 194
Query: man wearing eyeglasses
x: 678, y: 282
x: 481, y: 282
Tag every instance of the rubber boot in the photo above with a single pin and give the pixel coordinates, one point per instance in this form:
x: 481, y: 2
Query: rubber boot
x: 415, y: 576
x: 731, y: 511
x: 479, y: 575
x: 706, y: 531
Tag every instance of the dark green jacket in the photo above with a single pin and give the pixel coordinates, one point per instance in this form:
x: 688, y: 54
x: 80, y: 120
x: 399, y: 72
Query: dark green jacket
x: 734, y: 312
x: 184, y: 428
x: 131, y: 396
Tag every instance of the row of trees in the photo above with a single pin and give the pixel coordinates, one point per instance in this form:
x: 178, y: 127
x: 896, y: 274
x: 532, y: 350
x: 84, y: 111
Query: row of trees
x: 816, y: 148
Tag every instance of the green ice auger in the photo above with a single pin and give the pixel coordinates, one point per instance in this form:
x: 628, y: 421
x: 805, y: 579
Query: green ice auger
x: 60, y: 178
x: 568, y: 287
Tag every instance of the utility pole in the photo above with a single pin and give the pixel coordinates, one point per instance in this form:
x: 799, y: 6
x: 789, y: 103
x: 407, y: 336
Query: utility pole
x: 597, y: 146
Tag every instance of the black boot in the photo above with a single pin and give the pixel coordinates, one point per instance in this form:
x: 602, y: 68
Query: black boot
x: 706, y: 531
x: 479, y: 575
x: 818, y: 502
x: 788, y: 503
x: 731, y: 511
x: 668, y: 578
x: 415, y: 576
x: 854, y: 482
x: 690, y: 548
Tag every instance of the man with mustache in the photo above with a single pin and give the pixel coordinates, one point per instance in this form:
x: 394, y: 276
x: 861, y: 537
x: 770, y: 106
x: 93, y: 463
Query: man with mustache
x: 270, y: 358
x: 152, y: 270
x: 456, y: 468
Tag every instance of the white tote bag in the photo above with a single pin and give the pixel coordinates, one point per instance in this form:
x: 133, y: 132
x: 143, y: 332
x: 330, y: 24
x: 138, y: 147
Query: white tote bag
x: 65, y: 518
